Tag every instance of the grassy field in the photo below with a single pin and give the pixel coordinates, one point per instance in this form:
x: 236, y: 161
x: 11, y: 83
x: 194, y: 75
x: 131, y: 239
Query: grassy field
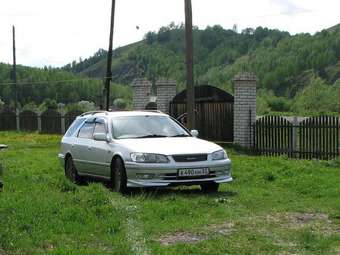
x: 274, y: 206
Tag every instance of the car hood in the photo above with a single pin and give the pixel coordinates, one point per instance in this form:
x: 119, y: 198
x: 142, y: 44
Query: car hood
x: 170, y: 146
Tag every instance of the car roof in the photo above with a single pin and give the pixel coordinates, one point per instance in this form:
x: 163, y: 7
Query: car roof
x: 122, y: 113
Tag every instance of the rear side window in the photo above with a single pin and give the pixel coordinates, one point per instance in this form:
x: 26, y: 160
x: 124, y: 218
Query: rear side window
x: 74, y: 127
x: 86, y: 131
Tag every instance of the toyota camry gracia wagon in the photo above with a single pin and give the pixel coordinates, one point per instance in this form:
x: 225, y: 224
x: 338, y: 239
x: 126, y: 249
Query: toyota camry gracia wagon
x: 141, y: 149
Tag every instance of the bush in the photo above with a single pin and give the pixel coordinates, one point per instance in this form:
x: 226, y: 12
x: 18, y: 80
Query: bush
x: 31, y: 106
x: 316, y: 97
x: 48, y: 104
x: 120, y: 104
x: 83, y: 106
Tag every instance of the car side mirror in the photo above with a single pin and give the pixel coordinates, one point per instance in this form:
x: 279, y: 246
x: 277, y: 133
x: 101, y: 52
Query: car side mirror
x: 101, y: 137
x: 194, y: 133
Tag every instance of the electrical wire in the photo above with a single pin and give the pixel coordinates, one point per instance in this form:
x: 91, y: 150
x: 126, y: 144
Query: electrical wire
x: 50, y: 82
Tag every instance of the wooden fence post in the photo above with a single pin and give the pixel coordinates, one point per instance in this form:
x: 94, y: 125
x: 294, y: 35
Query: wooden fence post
x: 39, y: 122
x: 295, y: 135
x: 17, y: 115
x: 62, y: 116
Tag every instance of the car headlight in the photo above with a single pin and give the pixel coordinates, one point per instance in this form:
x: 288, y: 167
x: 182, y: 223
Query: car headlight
x: 148, y: 158
x: 219, y: 155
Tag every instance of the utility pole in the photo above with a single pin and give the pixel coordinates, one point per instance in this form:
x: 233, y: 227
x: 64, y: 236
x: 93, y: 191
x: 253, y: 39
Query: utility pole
x: 14, y: 74
x: 108, y: 77
x: 189, y: 62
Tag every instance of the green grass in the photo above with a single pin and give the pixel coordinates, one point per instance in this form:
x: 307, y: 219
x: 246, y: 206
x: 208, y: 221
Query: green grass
x: 274, y: 206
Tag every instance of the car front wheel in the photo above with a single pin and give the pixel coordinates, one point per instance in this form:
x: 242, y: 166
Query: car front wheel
x: 118, y: 176
x: 210, y: 187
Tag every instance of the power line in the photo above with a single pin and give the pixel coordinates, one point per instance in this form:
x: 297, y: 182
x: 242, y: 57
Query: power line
x: 49, y: 82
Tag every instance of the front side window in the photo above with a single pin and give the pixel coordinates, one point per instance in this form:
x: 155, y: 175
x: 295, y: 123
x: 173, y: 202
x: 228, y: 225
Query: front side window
x: 146, y: 127
x: 100, y: 128
x: 86, y: 131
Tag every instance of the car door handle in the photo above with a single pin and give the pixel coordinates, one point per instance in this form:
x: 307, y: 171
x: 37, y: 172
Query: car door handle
x: 72, y: 145
x: 89, y: 148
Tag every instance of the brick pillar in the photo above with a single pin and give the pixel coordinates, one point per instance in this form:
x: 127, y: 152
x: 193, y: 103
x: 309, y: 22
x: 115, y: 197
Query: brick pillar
x: 166, y: 91
x: 244, y: 108
x: 141, y: 93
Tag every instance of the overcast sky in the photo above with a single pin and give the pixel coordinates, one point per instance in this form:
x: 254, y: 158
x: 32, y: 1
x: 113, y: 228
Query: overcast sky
x: 55, y: 32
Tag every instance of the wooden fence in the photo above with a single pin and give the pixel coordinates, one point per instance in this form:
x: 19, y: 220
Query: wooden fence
x: 50, y: 121
x: 315, y: 137
x: 214, y: 120
x: 28, y: 121
x: 8, y: 120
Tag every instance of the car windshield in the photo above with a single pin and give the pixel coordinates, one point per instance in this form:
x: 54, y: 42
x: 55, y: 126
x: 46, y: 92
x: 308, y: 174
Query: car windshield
x: 146, y: 127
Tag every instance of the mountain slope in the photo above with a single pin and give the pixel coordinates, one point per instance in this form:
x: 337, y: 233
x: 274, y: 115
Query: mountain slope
x: 277, y: 58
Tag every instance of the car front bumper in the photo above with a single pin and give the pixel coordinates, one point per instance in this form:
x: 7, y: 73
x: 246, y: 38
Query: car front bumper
x: 163, y: 175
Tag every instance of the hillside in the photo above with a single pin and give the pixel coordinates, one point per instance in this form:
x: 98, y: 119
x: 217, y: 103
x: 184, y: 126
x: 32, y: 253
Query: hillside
x: 297, y: 73
x: 37, y: 84
x: 279, y: 59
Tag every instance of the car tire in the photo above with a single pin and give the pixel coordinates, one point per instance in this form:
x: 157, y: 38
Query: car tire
x: 210, y: 187
x: 71, y: 172
x: 118, y: 177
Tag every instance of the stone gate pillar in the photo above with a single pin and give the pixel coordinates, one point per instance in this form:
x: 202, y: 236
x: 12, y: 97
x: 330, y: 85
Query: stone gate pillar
x: 244, y: 108
x: 141, y: 93
x: 166, y: 91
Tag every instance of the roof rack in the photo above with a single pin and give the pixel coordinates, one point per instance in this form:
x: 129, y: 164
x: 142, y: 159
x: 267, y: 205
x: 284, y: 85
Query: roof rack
x: 93, y: 113
x: 156, y: 111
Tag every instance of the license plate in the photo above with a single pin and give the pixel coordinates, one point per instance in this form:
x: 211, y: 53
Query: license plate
x: 193, y: 172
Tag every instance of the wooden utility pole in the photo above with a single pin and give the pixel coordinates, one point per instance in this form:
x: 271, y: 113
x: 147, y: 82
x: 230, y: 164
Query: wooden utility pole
x: 189, y: 62
x: 14, y: 74
x: 108, y: 77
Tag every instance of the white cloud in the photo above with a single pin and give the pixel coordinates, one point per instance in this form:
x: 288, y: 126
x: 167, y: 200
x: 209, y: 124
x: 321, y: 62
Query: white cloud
x: 54, y: 33
x: 288, y: 7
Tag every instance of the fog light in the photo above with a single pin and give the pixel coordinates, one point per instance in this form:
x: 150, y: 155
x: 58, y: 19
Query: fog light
x: 224, y: 172
x: 145, y: 176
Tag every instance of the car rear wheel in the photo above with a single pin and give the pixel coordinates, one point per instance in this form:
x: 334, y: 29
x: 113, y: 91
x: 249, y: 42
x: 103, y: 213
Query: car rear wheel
x: 118, y: 176
x: 71, y: 171
x: 210, y: 187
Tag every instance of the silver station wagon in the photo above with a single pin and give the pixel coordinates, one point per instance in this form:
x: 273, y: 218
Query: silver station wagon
x: 141, y: 149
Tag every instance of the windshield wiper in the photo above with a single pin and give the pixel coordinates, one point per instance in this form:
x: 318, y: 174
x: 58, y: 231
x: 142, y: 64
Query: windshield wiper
x: 181, y: 135
x: 151, y: 136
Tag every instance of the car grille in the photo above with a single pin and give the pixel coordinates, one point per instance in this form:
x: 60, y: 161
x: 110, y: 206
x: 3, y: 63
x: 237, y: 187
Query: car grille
x: 190, y: 157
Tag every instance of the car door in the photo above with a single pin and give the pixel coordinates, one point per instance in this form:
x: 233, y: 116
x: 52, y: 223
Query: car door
x: 83, y: 146
x: 101, y: 153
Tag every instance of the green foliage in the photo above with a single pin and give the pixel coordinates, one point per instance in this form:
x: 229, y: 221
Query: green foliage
x: 120, y: 104
x: 262, y: 106
x: 48, y: 104
x: 274, y: 205
x: 83, y: 106
x: 31, y: 106
x: 286, y: 65
x: 267, y: 102
x: 319, y: 97
x: 35, y: 85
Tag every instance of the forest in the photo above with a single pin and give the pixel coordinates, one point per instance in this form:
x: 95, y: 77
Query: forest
x: 298, y: 74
